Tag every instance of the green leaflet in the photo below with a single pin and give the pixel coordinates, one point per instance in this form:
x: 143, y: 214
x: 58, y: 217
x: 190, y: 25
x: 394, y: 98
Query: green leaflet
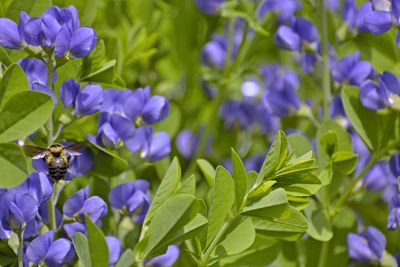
x: 12, y: 165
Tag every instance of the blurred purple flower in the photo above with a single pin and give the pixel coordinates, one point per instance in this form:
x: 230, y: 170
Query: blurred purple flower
x: 209, y: 7
x: 366, y: 247
x: 132, y: 196
x: 242, y: 114
x: 187, y: 143
x: 354, y: 16
x: 292, y: 37
x: 378, y: 177
x: 284, y: 9
x: 395, y: 164
x: 394, y: 213
x: 166, y: 260
x: 53, y: 252
x: 213, y: 53
x: 352, y: 69
x: 251, y: 88
x: 114, y: 249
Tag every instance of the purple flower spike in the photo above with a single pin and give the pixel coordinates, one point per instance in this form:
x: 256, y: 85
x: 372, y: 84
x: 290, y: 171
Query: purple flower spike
x: 287, y: 38
x: 75, y: 202
x: 83, y: 40
x: 89, y: 100
x: 54, y: 253
x: 214, y: 54
x: 9, y: 34
x: 158, y: 146
x: 373, y: 96
x: 114, y: 248
x: 38, y: 186
x: 166, y: 260
x: 68, y: 92
x: 155, y: 110
x: 366, y: 247
x: 106, y: 136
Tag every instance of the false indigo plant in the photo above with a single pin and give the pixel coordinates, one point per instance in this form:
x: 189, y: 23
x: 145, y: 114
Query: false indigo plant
x: 210, y: 133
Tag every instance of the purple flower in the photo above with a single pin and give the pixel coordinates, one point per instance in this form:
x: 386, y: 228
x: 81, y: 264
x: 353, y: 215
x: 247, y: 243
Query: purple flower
x: 284, y: 9
x: 374, y: 96
x: 394, y: 212
x: 254, y: 163
x: 366, y: 247
x: 53, y: 252
x: 378, y: 177
x: 287, y: 38
x: 38, y: 186
x: 239, y: 113
x: 9, y: 34
x: 166, y: 260
x: 355, y: 17
x: 156, y: 109
x: 115, y: 101
x: 80, y: 203
x: 132, y: 196
x: 86, y: 101
x: 187, y: 143
x: 83, y: 40
x: 213, y: 54
x: 352, y: 69
x: 156, y: 147
x: 250, y: 88
x: 114, y: 249
x: 209, y: 7
x: 82, y: 164
x: 36, y: 72
x: 395, y: 164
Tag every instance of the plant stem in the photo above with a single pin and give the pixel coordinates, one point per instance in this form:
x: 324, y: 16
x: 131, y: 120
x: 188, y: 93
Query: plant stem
x: 350, y: 188
x: 51, y: 207
x: 324, y: 254
x: 21, y: 246
x: 325, y: 60
x: 215, y: 242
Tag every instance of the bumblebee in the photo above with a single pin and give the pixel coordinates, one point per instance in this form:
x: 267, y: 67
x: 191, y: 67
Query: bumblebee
x: 57, y: 157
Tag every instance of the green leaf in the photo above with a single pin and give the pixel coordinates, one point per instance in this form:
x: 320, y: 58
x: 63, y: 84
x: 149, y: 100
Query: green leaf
x: 172, y: 123
x: 97, y: 244
x: 81, y: 245
x: 319, y: 225
x: 240, y: 236
x: 366, y: 122
x: 107, y: 163
x: 331, y: 137
x: 168, y: 186
x: 175, y: 220
x: 12, y: 165
x: 222, y: 200
x: 274, y: 204
x: 239, y: 178
x: 299, y: 144
x: 23, y: 114
x: 291, y: 228
x: 188, y: 186
x: 261, y: 253
x: 127, y: 259
x: 208, y: 170
x: 344, y: 161
x: 7, y: 255
x: 14, y: 81
x: 276, y: 156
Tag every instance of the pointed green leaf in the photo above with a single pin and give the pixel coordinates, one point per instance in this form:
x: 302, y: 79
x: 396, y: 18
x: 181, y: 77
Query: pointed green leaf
x: 188, y: 186
x: 299, y: 143
x: 127, y: 259
x: 319, y: 226
x: 167, y: 188
x: 274, y: 204
x: 81, y: 245
x: 222, y: 200
x: 208, y: 171
x: 344, y: 161
x: 23, y: 114
x: 239, y: 178
x: 107, y: 163
x: 97, y: 244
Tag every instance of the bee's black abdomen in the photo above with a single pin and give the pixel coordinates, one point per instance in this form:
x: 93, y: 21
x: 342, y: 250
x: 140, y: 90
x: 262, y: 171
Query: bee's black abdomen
x: 57, y: 173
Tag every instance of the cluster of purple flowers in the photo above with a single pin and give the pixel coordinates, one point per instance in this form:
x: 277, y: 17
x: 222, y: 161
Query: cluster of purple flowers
x: 126, y: 117
x: 58, y: 30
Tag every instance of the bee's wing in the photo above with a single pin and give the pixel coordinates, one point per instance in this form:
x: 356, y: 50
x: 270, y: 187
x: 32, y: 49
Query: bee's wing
x: 76, y: 149
x: 35, y: 152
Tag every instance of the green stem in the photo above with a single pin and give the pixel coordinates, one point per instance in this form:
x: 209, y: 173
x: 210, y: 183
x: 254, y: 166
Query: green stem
x: 353, y: 184
x: 215, y: 242
x: 21, y: 246
x: 51, y: 208
x: 324, y: 254
x: 325, y: 60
